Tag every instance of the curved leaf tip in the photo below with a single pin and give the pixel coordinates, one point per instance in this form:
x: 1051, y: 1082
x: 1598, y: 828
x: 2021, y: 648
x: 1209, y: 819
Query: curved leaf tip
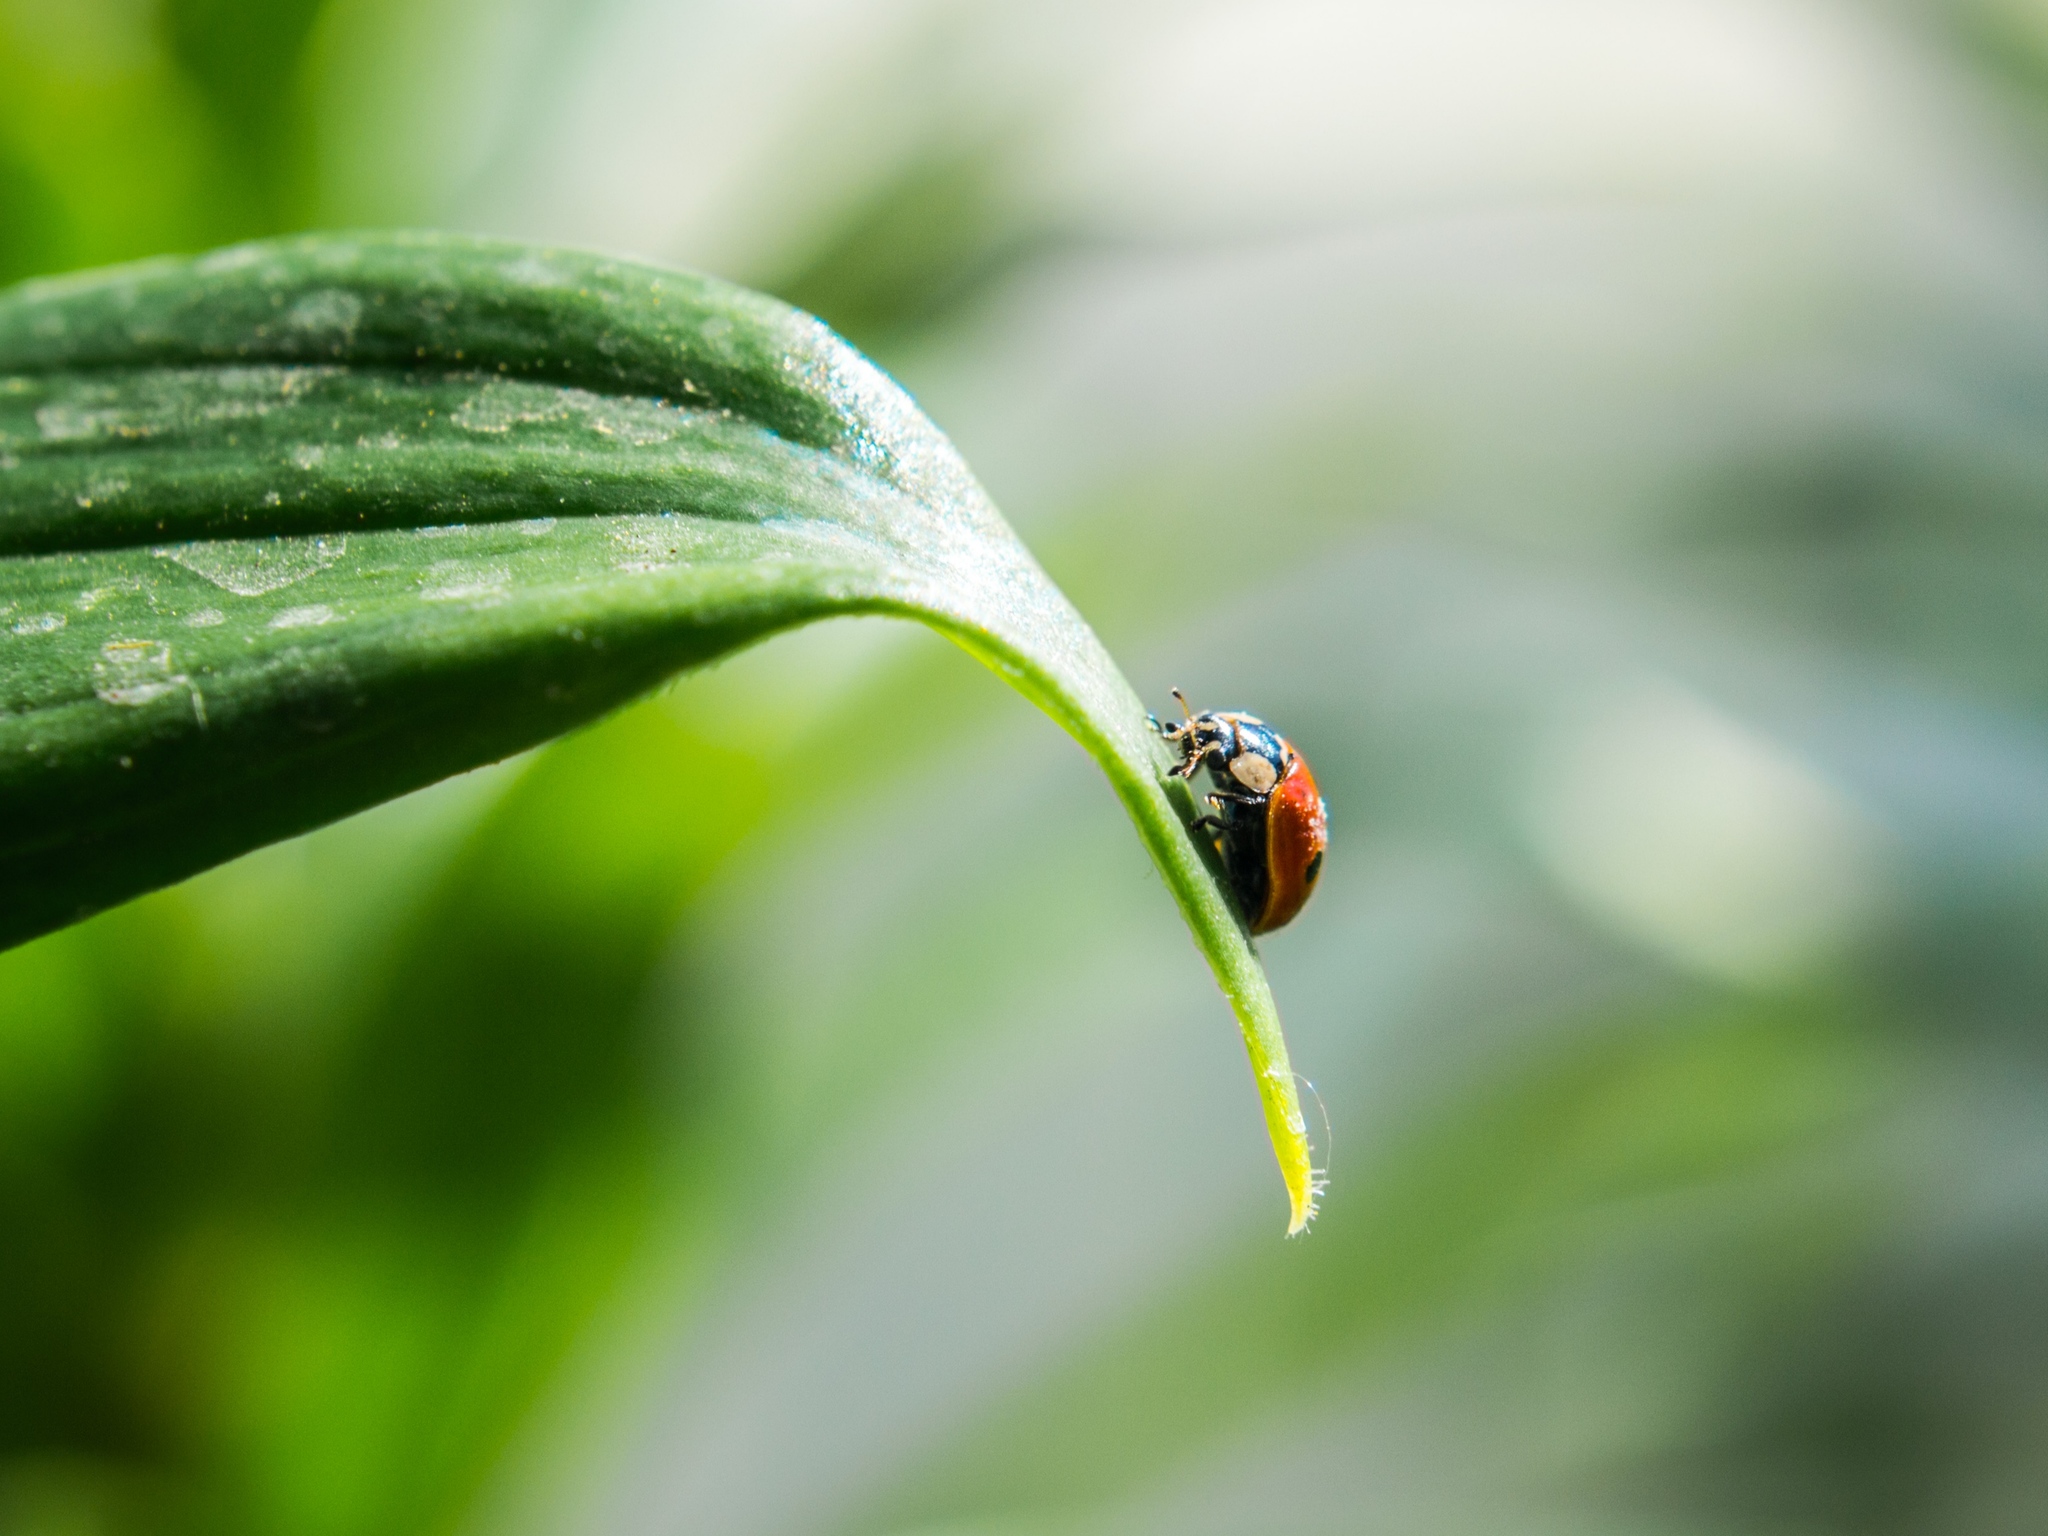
x: 291, y: 528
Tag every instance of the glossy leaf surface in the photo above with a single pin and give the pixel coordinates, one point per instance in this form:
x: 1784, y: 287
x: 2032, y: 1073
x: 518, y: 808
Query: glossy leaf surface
x: 293, y: 528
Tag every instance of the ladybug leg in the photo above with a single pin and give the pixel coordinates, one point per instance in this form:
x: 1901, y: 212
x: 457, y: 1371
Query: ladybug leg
x: 1207, y: 824
x: 1187, y: 737
x: 1222, y: 795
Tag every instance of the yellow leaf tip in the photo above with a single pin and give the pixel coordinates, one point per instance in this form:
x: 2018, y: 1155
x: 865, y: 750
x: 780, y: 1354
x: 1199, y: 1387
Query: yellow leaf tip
x: 1305, y: 1199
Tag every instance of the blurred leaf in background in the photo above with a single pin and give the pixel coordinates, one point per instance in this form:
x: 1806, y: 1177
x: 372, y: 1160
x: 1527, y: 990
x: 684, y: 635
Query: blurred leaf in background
x: 1607, y: 436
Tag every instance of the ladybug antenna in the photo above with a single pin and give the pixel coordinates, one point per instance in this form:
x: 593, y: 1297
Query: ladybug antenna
x: 1318, y: 1178
x: 1182, y: 700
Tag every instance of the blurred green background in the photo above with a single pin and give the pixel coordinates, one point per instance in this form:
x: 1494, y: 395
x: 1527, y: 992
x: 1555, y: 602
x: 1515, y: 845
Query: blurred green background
x: 1609, y: 436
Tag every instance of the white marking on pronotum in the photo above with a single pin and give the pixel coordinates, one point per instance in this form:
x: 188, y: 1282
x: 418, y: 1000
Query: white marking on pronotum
x: 1253, y: 772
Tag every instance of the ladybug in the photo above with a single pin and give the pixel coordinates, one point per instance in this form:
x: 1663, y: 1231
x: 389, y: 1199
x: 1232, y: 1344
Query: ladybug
x: 1271, y: 827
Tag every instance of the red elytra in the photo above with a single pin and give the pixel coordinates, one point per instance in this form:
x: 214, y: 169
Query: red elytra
x: 1297, y: 832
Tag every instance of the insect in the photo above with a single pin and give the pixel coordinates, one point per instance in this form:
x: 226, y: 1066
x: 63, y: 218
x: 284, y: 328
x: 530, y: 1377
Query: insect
x: 1270, y: 824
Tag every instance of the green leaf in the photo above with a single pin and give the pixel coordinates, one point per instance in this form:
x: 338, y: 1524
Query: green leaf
x: 295, y: 527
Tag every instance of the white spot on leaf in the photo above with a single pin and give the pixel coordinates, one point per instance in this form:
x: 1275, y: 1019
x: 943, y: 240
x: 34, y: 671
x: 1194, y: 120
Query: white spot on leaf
x: 500, y: 406
x: 104, y: 489
x: 312, y: 616
x: 64, y: 421
x: 330, y: 309
x: 135, y: 672
x: 458, y: 581
x: 233, y: 259
x: 250, y: 567
x: 649, y: 544
x: 92, y: 597
x: 531, y: 271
